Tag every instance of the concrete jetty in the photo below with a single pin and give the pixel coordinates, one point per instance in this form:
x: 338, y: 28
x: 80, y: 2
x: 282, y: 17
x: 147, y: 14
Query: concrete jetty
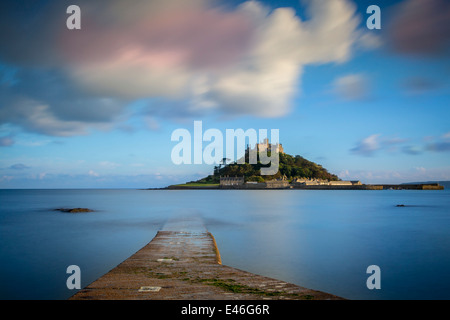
x: 183, y: 262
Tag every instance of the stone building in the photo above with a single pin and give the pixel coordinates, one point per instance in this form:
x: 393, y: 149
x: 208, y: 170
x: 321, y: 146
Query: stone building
x: 310, y: 182
x: 231, y: 181
x: 283, y: 182
x: 321, y: 182
x: 265, y: 145
x: 277, y: 184
x: 345, y: 183
x: 340, y: 183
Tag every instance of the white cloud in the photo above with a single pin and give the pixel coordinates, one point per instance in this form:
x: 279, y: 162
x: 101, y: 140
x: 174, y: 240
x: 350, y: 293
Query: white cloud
x: 375, y: 142
x: 368, y: 146
x: 266, y: 53
x: 37, y: 117
x: 344, y: 174
x: 109, y: 164
x: 369, y: 41
x: 421, y: 169
x: 194, y: 57
x: 352, y: 87
x: 6, y: 178
x: 92, y: 173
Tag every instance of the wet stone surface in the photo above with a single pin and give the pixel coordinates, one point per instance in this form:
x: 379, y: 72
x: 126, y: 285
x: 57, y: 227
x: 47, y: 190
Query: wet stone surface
x: 185, y: 265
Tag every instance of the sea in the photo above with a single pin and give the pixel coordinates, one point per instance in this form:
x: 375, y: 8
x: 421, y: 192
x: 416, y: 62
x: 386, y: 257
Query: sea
x: 324, y: 240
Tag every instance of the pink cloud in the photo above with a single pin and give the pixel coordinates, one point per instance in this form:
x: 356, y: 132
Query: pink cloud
x: 197, y: 38
x: 420, y: 26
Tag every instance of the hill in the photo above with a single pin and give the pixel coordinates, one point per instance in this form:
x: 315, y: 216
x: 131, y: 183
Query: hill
x: 289, y: 166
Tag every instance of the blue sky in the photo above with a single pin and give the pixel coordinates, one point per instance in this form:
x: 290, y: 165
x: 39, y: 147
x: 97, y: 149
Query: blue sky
x: 96, y: 107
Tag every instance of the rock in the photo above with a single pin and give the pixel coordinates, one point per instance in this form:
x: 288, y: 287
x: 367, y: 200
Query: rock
x: 74, y: 210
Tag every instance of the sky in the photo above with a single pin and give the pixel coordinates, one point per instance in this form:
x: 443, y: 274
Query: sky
x: 96, y: 107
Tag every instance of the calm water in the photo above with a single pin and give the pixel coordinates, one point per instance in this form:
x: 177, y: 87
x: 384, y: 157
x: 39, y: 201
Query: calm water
x: 323, y: 240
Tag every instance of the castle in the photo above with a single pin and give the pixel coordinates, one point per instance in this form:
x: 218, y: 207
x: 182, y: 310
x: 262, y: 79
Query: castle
x: 260, y: 147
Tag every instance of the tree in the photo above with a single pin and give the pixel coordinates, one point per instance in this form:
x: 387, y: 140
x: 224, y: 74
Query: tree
x: 290, y: 166
x: 224, y: 162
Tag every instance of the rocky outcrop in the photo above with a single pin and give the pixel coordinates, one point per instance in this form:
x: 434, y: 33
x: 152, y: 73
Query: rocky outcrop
x: 74, y: 210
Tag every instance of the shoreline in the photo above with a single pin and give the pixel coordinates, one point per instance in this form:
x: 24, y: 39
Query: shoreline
x: 421, y: 186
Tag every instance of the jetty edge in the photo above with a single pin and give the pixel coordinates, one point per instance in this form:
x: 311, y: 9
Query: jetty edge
x: 186, y: 265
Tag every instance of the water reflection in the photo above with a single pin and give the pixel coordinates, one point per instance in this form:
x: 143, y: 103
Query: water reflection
x: 323, y: 240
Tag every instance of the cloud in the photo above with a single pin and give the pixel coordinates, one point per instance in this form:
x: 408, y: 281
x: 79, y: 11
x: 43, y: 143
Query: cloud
x: 47, y: 102
x: 344, y: 174
x: 6, y: 178
x: 192, y: 57
x: 92, y: 173
x: 372, y: 144
x: 415, y: 174
x: 19, y: 166
x: 72, y: 180
x: 372, y: 176
x: 393, y: 141
x: 151, y: 123
x: 412, y: 150
x: 246, y: 61
x: 369, y: 41
x: 6, y: 141
x: 420, y: 27
x: 352, y: 87
x: 442, y: 144
x: 368, y: 146
x: 109, y: 164
x: 419, y: 85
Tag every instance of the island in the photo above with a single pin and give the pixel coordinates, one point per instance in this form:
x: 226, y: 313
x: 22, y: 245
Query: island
x: 294, y: 172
